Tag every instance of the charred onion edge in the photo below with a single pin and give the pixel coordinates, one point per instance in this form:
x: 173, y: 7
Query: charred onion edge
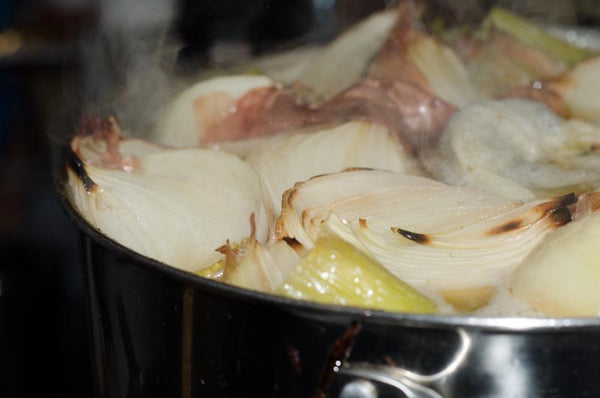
x: 556, y: 209
x: 75, y: 163
x: 293, y: 243
x: 416, y: 237
x: 288, y: 199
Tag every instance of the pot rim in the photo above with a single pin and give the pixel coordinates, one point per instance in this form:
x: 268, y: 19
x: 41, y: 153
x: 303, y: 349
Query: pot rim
x: 441, y: 321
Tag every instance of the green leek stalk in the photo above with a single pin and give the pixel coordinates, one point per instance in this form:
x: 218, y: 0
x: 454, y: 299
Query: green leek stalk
x: 533, y: 35
x: 336, y: 272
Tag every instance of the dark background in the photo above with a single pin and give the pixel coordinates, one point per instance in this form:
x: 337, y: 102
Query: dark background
x: 43, y: 337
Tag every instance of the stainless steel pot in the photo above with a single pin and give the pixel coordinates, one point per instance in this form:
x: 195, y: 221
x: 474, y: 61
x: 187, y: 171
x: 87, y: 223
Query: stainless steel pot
x: 160, y: 332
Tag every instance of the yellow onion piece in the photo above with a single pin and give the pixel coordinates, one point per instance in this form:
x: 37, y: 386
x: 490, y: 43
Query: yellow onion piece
x: 579, y: 87
x: 254, y: 266
x: 337, y: 272
x: 444, y: 71
x: 430, y: 235
x: 92, y: 148
x: 193, y: 111
x: 176, y: 206
x: 515, y: 52
x: 413, y: 56
x: 345, y: 61
x: 285, y: 159
x: 561, y: 276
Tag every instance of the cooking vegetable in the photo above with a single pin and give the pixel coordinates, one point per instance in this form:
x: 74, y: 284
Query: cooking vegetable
x: 258, y: 267
x: 413, y: 56
x: 176, y: 206
x: 533, y: 35
x: 345, y: 61
x: 431, y: 235
x: 368, y: 108
x: 446, y: 75
x: 513, y: 56
x: 189, y: 116
x: 561, y: 276
x: 501, y: 66
x: 413, y: 115
x: 337, y: 272
x: 500, y: 147
x: 285, y: 159
x: 334, y: 271
x: 579, y: 88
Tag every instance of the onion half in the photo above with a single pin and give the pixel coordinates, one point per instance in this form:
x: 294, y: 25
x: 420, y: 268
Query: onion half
x: 192, y: 112
x: 561, y: 276
x: 500, y: 147
x: 176, y: 206
x: 433, y: 236
x: 285, y: 159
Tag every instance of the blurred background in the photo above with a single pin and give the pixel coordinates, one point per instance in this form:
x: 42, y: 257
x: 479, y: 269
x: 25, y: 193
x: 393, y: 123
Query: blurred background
x: 50, y: 72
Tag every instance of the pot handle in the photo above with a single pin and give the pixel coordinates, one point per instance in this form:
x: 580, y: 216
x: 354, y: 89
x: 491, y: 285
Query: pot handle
x: 365, y: 379
x: 409, y: 384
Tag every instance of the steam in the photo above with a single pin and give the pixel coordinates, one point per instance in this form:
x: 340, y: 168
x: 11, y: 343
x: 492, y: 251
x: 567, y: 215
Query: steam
x: 128, y: 63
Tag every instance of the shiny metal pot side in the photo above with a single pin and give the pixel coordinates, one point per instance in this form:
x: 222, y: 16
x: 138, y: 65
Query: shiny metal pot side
x: 160, y: 332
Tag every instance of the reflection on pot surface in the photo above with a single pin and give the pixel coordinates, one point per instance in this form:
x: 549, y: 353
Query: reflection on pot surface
x: 222, y: 341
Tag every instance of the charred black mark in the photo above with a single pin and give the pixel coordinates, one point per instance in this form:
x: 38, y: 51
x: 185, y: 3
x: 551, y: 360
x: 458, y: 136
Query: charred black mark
x: 556, y: 208
x: 566, y: 200
x: 75, y: 164
x: 416, y: 237
x: 363, y: 223
x: 292, y: 242
x: 595, y: 147
x: 339, y: 353
x: 506, y: 227
x: 561, y: 216
x: 556, y: 203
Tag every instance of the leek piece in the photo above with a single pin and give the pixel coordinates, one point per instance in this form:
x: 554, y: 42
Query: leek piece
x: 336, y: 272
x: 215, y: 271
x: 533, y: 35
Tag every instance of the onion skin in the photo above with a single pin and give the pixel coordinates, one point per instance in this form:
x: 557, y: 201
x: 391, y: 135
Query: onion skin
x: 260, y: 112
x: 185, y: 121
x: 410, y: 113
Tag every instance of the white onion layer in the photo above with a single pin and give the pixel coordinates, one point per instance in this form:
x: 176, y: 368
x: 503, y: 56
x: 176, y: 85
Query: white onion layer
x: 449, y: 237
